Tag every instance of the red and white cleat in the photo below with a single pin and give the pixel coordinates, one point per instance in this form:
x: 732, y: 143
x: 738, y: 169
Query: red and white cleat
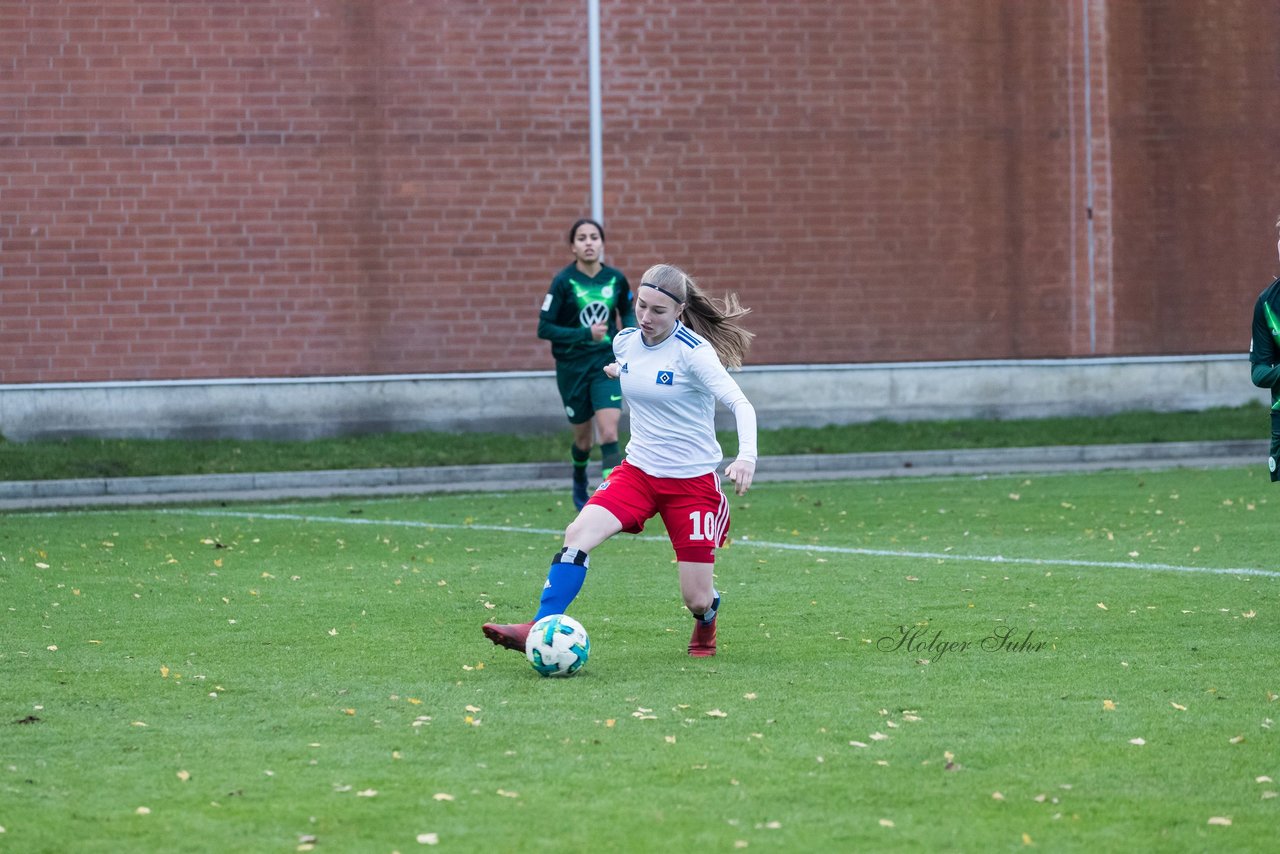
x: 703, y: 642
x: 510, y: 635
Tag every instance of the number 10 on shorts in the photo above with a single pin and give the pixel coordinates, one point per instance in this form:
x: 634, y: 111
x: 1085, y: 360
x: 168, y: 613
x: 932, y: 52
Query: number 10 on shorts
x: 704, y: 526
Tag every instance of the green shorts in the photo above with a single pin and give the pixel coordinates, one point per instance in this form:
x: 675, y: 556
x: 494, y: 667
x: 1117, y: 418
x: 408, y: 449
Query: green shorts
x: 585, y: 390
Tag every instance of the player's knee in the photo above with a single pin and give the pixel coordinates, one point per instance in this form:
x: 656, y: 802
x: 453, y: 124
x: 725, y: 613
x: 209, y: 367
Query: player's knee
x: 576, y: 532
x: 699, y: 602
x: 589, y: 529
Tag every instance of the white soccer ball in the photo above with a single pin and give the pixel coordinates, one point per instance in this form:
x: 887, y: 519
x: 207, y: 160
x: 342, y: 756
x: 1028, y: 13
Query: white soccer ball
x: 557, y: 646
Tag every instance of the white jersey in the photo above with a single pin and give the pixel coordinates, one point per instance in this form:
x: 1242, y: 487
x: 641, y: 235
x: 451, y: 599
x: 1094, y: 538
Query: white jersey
x: 671, y: 390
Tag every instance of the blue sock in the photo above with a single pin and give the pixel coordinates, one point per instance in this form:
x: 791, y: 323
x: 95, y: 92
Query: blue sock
x: 564, y: 580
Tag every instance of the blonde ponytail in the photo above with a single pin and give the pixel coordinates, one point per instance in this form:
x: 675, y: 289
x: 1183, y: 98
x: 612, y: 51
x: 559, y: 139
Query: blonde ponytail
x: 715, y: 320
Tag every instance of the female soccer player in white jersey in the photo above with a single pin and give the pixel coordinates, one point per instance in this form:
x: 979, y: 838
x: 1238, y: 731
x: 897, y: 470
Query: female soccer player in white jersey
x: 673, y: 371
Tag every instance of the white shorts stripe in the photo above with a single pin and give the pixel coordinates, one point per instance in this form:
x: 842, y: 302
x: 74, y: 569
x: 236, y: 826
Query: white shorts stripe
x: 722, y: 513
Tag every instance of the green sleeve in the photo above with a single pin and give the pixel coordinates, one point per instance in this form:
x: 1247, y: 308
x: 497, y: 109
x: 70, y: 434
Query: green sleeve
x: 1265, y: 376
x: 626, y: 305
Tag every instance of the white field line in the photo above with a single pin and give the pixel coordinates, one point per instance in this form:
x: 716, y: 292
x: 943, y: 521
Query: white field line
x: 750, y: 543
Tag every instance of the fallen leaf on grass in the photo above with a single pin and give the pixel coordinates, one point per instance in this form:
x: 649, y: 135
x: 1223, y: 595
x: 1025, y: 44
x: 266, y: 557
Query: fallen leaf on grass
x: 504, y: 793
x: 1236, y: 739
x: 1178, y: 706
x: 886, y: 822
x: 1220, y: 820
x: 143, y: 811
x: 367, y: 793
x: 428, y: 839
x: 997, y: 796
x: 1108, y: 706
x: 1102, y: 605
x: 1138, y: 741
x: 857, y: 744
x: 878, y: 736
x: 1263, y: 779
x: 1026, y: 839
x: 184, y: 776
x: 1268, y: 795
x: 716, y: 713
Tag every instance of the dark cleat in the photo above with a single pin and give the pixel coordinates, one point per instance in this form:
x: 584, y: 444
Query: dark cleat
x: 513, y: 635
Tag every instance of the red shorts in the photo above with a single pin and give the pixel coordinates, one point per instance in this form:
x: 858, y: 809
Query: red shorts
x: 694, y: 510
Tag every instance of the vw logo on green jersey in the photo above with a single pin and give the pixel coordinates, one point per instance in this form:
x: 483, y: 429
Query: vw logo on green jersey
x: 593, y: 313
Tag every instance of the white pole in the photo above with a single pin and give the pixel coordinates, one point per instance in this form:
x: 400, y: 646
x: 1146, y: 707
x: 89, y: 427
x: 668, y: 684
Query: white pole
x: 593, y: 74
x: 1088, y: 177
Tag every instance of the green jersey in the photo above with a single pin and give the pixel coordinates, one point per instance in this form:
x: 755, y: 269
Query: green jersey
x: 1264, y: 361
x: 1264, y: 346
x: 573, y: 303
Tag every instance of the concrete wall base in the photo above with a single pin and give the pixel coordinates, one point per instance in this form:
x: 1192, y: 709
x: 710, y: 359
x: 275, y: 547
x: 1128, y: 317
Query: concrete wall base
x: 527, y: 401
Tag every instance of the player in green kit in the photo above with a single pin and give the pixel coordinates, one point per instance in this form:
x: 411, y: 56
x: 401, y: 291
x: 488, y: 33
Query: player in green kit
x: 587, y: 304
x: 1264, y: 358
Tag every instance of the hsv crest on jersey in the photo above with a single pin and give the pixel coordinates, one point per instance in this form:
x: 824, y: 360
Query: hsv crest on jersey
x: 666, y: 378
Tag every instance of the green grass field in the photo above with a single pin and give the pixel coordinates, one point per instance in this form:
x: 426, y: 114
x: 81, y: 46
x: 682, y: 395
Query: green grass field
x: 1068, y: 663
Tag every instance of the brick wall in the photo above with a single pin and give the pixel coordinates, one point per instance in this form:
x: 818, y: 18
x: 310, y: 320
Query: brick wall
x: 198, y: 188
